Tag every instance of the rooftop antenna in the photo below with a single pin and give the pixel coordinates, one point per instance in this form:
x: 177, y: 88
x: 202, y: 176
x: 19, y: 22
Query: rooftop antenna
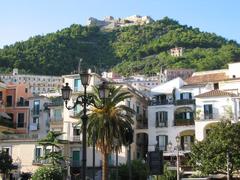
x: 79, y: 65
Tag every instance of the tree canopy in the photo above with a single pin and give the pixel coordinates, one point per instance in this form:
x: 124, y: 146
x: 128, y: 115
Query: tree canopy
x: 210, y: 155
x: 126, y: 50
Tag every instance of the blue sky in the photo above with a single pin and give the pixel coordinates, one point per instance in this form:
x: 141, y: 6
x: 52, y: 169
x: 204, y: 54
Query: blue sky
x: 21, y: 19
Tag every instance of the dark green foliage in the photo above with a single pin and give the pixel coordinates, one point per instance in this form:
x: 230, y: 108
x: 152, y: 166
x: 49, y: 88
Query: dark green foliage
x: 168, y: 174
x: 138, y: 49
x: 48, y: 173
x: 5, y: 162
x: 139, y: 171
x: 210, y: 155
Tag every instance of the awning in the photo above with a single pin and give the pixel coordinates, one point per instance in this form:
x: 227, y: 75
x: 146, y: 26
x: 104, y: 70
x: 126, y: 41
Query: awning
x: 5, y: 115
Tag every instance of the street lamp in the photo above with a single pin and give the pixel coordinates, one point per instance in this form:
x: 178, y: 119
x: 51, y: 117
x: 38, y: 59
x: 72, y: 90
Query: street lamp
x: 83, y: 100
x: 170, y: 146
x: 177, y: 147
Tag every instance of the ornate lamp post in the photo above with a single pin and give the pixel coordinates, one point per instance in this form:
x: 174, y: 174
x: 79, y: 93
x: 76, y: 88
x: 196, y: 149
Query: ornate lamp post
x: 83, y: 100
x: 177, y: 147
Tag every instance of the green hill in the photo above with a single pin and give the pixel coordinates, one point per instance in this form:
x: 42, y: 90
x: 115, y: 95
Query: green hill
x: 127, y: 50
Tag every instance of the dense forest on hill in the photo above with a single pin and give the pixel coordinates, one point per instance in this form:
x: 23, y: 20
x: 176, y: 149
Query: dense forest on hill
x: 127, y: 50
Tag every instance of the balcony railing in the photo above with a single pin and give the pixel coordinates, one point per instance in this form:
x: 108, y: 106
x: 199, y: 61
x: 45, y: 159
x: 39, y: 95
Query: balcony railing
x: 183, y: 122
x: 22, y: 103
x: 184, y: 102
x: 141, y: 125
x: 162, y: 102
x: 18, y: 136
x: 161, y: 124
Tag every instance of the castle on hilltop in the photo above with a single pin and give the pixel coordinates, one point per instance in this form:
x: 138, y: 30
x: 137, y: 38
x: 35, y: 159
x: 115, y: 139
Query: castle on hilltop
x: 109, y: 22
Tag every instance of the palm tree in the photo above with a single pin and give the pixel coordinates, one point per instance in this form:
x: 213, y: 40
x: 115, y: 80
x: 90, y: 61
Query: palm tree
x: 111, y: 122
x: 52, y: 140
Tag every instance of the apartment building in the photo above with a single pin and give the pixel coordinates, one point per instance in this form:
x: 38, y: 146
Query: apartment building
x: 15, y: 106
x: 37, y: 83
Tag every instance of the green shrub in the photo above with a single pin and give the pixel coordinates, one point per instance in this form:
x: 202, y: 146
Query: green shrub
x: 48, y: 173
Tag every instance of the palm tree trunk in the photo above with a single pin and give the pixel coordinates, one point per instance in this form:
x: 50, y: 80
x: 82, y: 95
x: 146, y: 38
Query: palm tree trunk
x: 105, y: 166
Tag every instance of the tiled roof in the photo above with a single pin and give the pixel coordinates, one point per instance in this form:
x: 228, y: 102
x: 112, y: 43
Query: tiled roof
x: 199, y: 79
x: 215, y: 93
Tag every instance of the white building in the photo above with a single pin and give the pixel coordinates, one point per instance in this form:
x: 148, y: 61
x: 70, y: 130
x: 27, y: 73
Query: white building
x: 170, y: 114
x: 37, y: 83
x: 39, y: 116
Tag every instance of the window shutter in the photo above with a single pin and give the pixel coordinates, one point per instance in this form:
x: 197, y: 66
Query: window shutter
x: 192, y: 139
x: 182, y: 142
x: 166, y: 142
x: 181, y: 96
x: 157, y: 120
x: 190, y: 95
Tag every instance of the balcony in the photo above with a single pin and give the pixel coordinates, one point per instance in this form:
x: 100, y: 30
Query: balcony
x: 141, y: 126
x: 22, y: 103
x: 34, y: 127
x: 18, y: 136
x: 161, y: 124
x: 183, y: 122
x: 180, y: 102
x: 7, y: 123
x: 75, y: 138
x: 56, y: 122
x: 162, y: 102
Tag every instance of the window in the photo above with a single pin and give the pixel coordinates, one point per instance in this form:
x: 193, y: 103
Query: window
x: 216, y: 86
x: 57, y: 114
x: 76, y: 159
x: 36, y: 120
x: 184, y: 115
x: 186, y: 142
x: 137, y: 109
x: 129, y: 103
x: 38, y: 153
x: 162, y: 141
x: 186, y: 95
x: 20, y: 122
x: 162, y: 119
x: 7, y: 150
x: 76, y: 131
x: 26, y: 90
x: 208, y: 111
x: 36, y: 107
x: 9, y: 101
x: 77, y: 84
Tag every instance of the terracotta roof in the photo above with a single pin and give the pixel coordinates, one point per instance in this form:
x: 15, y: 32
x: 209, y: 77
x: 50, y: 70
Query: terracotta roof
x: 199, y: 79
x: 215, y: 93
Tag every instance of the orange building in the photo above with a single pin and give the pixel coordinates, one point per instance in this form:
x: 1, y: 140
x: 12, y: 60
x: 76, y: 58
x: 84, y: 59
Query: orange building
x: 14, y: 106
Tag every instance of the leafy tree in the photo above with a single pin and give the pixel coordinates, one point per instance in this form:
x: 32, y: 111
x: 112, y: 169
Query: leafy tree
x: 168, y: 174
x: 210, y: 155
x: 140, y: 171
x: 55, y: 156
x: 111, y: 121
x: 48, y: 172
x: 5, y: 163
